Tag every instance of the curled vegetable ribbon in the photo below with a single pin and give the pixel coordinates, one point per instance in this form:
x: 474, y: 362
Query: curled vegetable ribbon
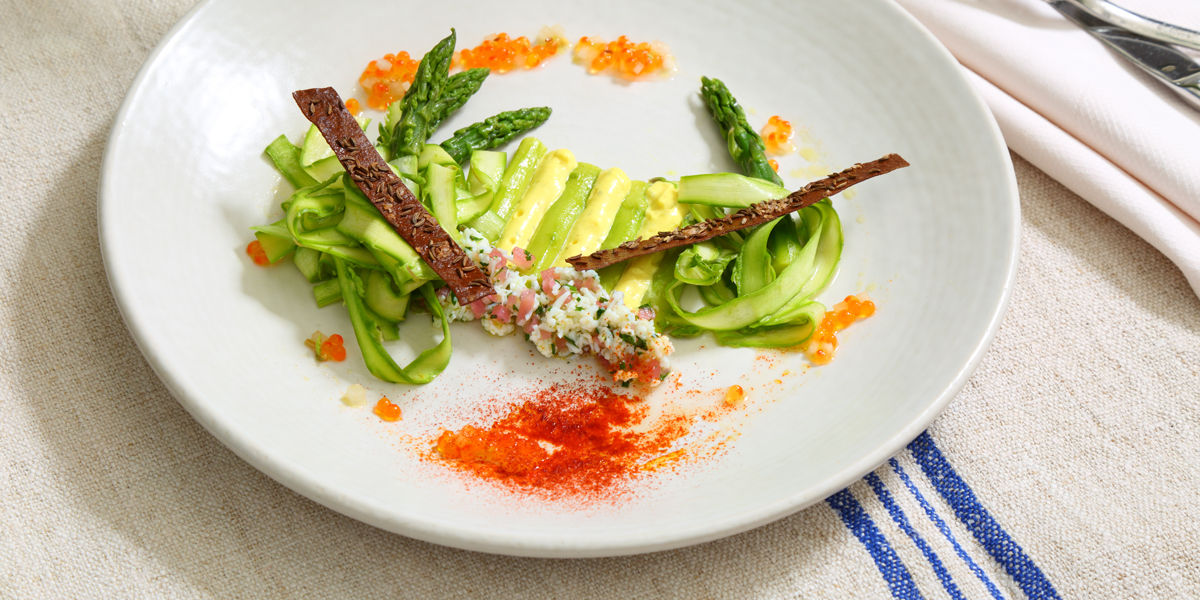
x: 423, y: 369
x: 780, y: 312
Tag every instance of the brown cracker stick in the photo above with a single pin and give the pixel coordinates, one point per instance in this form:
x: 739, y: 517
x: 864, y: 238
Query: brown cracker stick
x: 755, y: 214
x: 394, y: 200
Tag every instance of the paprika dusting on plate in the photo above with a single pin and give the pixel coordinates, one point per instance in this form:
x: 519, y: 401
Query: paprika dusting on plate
x: 570, y: 440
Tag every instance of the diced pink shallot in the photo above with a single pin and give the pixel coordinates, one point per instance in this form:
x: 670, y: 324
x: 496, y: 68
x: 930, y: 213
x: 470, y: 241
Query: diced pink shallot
x: 501, y: 276
x: 478, y: 307
x: 655, y: 371
x: 531, y: 324
x: 528, y: 303
x: 548, y: 281
x: 588, y: 284
x: 561, y: 344
x: 646, y: 313
x: 521, y: 258
x: 443, y: 293
x: 498, y: 261
x: 502, y: 313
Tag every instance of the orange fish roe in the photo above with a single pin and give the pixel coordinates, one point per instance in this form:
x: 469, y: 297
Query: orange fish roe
x: 387, y: 411
x: 823, y: 343
x: 774, y: 164
x: 777, y: 135
x: 624, y: 58
x: 735, y: 394
x: 353, y: 106
x: 387, y: 79
x: 257, y: 254
x: 502, y: 54
x: 327, y: 348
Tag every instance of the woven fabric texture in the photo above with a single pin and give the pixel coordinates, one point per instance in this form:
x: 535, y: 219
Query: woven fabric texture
x: 1078, y: 432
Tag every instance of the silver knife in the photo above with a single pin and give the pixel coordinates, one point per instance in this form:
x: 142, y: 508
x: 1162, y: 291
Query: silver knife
x: 1145, y: 26
x: 1162, y: 61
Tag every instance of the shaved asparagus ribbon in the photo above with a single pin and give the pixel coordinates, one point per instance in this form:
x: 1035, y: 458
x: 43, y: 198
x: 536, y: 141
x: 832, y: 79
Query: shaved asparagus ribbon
x: 423, y: 369
x: 780, y: 312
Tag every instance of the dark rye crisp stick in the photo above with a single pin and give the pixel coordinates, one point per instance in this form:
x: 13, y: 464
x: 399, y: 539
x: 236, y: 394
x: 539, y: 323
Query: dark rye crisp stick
x: 394, y: 200
x: 755, y: 214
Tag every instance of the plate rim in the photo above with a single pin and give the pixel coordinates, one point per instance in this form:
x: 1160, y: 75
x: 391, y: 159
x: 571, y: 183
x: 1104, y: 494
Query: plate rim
x: 298, y: 479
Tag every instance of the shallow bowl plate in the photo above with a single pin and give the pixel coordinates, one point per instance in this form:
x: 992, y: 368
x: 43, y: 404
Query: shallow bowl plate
x: 184, y: 177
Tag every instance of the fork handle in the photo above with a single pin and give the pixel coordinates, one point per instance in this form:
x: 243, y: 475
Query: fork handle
x: 1145, y: 26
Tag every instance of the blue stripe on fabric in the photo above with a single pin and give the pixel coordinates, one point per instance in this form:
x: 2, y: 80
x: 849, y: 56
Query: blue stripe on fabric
x: 898, y: 516
x: 941, y: 525
x: 979, y: 521
x: 898, y: 579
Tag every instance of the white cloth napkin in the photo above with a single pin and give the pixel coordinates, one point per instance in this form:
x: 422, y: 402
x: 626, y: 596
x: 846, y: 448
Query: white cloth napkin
x: 1077, y: 110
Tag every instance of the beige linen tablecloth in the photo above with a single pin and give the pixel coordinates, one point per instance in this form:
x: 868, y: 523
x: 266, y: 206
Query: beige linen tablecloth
x: 1078, y: 432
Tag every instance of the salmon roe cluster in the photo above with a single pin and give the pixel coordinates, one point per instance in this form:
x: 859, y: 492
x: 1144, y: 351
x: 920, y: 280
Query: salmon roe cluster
x: 384, y: 409
x: 502, y: 54
x: 507, y: 452
x: 327, y: 348
x: 823, y: 343
x: 257, y: 254
x: 777, y: 135
x: 624, y: 58
x: 387, y: 79
x: 734, y: 395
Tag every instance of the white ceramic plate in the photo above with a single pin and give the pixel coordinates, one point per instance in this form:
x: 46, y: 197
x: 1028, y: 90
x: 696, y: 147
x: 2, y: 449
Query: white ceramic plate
x: 184, y: 178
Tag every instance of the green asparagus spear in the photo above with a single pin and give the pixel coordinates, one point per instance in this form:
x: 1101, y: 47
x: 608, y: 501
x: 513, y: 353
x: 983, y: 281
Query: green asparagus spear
x: 421, y: 100
x: 745, y: 145
x: 459, y: 88
x: 551, y: 234
x: 494, y: 131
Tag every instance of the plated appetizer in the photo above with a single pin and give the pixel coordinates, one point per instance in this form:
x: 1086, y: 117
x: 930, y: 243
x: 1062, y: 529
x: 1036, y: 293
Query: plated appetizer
x: 578, y: 259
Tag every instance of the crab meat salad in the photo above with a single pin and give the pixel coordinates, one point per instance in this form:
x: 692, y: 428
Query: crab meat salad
x: 564, y: 312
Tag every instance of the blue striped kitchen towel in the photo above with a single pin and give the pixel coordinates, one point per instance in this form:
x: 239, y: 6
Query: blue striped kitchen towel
x: 930, y: 536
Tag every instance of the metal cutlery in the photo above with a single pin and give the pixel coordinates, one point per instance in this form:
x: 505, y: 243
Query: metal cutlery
x: 1135, y: 23
x: 1153, y: 53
